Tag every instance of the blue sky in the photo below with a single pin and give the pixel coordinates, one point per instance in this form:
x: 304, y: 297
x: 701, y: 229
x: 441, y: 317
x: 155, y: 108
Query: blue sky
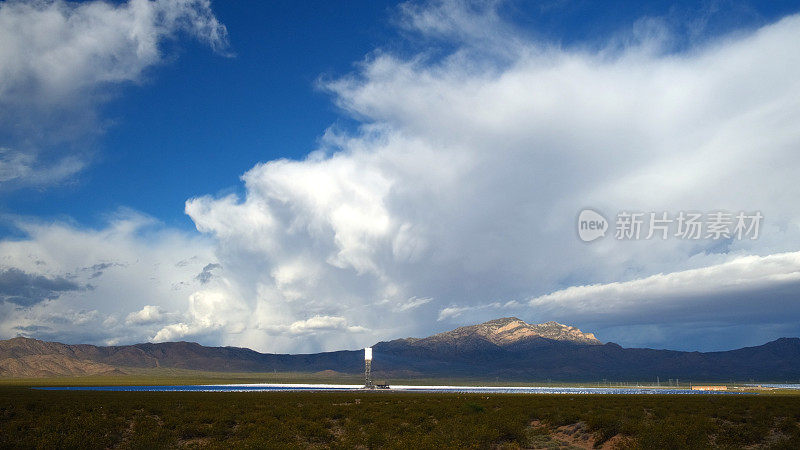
x: 428, y: 192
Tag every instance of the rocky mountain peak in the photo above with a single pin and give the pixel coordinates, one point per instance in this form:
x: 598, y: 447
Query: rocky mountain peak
x: 509, y: 330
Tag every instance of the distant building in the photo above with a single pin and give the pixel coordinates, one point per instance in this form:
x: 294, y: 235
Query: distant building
x: 709, y: 388
x: 368, y: 368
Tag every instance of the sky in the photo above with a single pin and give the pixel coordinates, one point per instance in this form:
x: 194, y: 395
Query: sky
x: 311, y: 176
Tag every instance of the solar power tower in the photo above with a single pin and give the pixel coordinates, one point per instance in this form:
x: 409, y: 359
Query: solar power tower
x: 368, y: 368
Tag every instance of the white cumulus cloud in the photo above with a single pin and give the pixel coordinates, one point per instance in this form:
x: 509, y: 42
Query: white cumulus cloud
x: 147, y: 315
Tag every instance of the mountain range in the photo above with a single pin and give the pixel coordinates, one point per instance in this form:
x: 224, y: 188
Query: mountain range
x: 507, y: 349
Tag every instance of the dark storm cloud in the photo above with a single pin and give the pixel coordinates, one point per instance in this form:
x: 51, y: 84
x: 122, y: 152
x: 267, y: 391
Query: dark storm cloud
x: 205, y: 276
x: 32, y: 328
x: 98, y: 269
x: 26, y: 289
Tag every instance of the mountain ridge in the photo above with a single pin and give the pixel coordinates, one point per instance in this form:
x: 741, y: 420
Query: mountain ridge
x: 508, y: 347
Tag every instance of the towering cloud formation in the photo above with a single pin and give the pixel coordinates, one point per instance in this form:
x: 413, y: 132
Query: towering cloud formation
x: 463, y: 183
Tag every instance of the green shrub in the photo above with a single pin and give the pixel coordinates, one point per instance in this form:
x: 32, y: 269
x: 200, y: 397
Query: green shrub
x: 84, y: 419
